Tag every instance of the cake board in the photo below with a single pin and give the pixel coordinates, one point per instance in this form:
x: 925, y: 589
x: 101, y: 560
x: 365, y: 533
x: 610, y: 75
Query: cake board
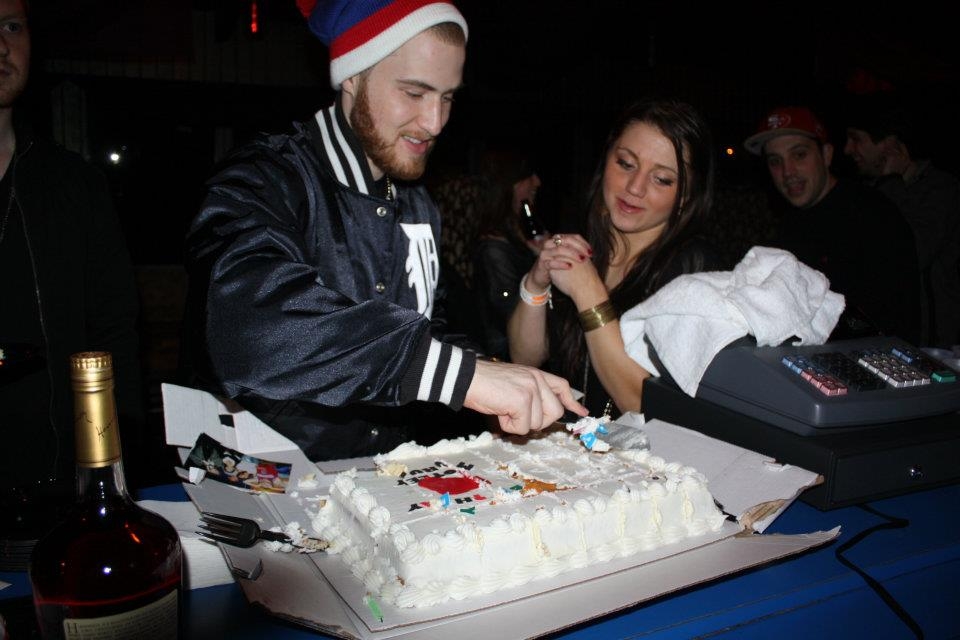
x: 295, y: 587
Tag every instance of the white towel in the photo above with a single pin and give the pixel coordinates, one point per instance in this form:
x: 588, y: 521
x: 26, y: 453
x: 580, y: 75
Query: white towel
x: 769, y: 294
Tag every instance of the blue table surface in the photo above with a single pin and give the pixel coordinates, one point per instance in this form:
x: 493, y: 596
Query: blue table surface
x: 810, y: 595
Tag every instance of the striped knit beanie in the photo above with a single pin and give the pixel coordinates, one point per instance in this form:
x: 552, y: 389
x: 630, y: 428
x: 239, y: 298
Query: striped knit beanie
x: 361, y: 33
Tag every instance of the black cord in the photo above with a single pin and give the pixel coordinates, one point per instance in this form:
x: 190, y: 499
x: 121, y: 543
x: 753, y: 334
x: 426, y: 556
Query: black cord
x: 891, y: 523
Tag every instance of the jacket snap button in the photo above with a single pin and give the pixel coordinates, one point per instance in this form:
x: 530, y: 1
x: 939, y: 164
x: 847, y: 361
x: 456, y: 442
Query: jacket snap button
x: 381, y: 287
x: 381, y: 211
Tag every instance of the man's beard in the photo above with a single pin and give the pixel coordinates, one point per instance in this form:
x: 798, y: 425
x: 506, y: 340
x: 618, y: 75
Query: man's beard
x: 12, y: 88
x: 380, y: 151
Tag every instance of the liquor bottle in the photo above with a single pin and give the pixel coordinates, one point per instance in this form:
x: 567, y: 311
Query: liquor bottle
x: 532, y: 226
x: 110, y: 569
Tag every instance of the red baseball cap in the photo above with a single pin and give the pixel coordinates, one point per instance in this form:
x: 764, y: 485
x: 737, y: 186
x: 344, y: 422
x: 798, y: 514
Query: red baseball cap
x: 784, y: 121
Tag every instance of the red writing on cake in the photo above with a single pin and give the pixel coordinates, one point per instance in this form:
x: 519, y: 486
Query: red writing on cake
x: 449, y: 484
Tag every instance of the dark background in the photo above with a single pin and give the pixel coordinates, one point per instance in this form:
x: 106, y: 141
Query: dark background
x: 546, y: 76
x: 174, y: 85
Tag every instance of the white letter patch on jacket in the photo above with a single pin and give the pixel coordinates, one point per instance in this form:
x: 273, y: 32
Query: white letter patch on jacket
x: 423, y: 265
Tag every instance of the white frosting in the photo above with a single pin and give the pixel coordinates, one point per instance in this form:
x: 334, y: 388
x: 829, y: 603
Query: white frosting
x: 299, y: 541
x: 308, y: 481
x: 472, y: 516
x: 587, y: 428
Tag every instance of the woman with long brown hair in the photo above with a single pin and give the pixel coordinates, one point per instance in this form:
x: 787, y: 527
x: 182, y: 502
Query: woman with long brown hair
x: 649, y: 197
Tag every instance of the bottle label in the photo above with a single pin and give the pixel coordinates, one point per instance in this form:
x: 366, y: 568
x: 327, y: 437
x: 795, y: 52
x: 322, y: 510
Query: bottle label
x: 155, y: 621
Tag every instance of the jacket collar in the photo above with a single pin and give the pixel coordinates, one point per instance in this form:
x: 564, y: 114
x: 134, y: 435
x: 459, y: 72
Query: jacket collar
x: 24, y: 133
x: 342, y: 151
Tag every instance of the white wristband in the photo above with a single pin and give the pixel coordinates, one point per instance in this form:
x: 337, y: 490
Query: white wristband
x: 534, y: 300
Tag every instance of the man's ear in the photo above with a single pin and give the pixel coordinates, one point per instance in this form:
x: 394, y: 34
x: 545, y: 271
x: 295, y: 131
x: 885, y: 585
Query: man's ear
x: 349, y: 90
x: 827, y: 154
x: 895, y: 154
x: 892, y: 146
x: 349, y: 86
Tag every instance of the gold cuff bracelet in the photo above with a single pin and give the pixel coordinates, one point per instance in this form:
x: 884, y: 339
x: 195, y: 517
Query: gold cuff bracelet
x: 596, y: 317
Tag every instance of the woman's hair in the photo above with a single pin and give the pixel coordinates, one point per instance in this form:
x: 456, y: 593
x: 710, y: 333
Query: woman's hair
x: 501, y: 168
x: 693, y: 144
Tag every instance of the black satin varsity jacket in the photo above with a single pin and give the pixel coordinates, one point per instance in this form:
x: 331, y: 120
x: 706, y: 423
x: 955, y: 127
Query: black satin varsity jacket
x: 314, y: 297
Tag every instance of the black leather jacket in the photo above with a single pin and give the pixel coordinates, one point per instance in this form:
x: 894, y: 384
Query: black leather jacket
x: 85, y: 291
x: 312, y: 293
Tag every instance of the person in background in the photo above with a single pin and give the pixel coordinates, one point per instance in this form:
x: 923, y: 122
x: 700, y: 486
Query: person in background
x: 459, y: 196
x: 504, y: 249
x: 313, y: 262
x: 68, y: 286
x: 884, y: 146
x: 848, y: 231
x: 649, y: 197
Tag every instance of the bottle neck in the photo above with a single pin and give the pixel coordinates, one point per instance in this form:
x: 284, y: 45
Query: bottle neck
x: 531, y: 225
x: 97, y: 484
x: 97, y: 432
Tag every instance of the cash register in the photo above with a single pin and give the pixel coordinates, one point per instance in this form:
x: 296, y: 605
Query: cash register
x: 875, y: 415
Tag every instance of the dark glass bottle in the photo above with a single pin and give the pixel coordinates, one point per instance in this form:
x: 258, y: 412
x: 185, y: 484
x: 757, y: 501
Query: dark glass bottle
x: 110, y: 569
x: 532, y: 227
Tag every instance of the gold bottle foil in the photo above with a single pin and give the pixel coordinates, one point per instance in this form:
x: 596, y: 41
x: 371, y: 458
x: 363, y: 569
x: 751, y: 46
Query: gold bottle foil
x: 95, y: 412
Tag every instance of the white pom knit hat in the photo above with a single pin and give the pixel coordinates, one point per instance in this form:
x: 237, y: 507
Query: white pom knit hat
x: 361, y: 33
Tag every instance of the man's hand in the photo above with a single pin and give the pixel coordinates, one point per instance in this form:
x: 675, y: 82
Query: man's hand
x: 524, y: 399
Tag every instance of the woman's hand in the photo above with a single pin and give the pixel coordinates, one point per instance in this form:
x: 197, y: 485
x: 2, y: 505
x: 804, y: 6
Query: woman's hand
x: 539, y: 277
x: 567, y: 260
x: 560, y: 251
x: 527, y: 326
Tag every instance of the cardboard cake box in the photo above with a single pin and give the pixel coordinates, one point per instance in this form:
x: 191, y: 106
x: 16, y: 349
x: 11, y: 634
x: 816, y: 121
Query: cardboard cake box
x: 318, y: 591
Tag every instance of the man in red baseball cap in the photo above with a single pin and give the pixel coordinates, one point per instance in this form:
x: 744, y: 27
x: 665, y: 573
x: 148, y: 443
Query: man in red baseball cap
x: 848, y: 231
x: 798, y: 153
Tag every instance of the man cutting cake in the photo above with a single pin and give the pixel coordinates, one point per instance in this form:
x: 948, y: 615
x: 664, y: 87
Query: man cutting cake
x: 313, y: 262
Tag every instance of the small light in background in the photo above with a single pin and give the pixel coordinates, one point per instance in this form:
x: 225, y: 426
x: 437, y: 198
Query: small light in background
x: 729, y: 151
x: 254, y: 20
x: 117, y: 155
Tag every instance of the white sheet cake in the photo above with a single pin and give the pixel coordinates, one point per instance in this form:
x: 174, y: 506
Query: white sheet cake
x: 471, y: 516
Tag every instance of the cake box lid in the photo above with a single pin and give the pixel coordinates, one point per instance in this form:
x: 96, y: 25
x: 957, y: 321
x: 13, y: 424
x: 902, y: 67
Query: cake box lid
x: 749, y: 485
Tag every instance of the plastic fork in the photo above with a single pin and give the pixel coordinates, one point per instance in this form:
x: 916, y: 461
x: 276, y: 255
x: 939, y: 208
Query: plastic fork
x: 244, y: 532
x: 236, y: 531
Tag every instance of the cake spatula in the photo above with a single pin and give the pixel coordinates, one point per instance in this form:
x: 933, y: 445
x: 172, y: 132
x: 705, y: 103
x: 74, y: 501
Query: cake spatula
x: 617, y: 435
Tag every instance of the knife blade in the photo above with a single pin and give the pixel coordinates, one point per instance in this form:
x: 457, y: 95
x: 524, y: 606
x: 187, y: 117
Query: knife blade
x: 621, y: 436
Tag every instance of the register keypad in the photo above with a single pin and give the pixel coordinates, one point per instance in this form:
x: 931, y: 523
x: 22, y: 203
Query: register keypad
x: 836, y: 373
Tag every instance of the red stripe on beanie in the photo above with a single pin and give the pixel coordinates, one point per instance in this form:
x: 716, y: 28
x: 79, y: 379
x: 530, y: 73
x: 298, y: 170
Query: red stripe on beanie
x: 375, y: 24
